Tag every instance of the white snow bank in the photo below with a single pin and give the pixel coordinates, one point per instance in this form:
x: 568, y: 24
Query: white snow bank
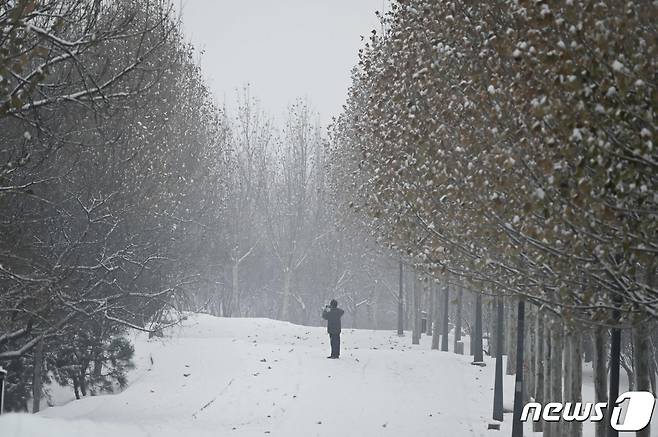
x: 255, y: 377
x: 35, y: 426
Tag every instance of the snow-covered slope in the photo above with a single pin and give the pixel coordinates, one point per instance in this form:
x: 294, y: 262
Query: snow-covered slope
x: 255, y: 377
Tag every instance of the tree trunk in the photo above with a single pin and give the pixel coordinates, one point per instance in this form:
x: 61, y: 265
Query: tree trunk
x: 576, y: 379
x: 599, y: 360
x: 400, y: 302
x: 615, y: 352
x: 459, y: 345
x: 652, y: 376
x: 498, y: 384
x: 235, y: 287
x: 493, y: 327
x: 626, y: 363
x: 472, y: 326
x: 653, y: 366
x: 285, y: 303
x: 529, y: 356
x: 446, y: 319
x: 98, y: 368
x: 587, y: 349
x: 430, y: 306
x: 519, y: 392
x: 477, y: 348
x: 641, y: 348
x: 511, y: 338
x: 409, y: 303
x: 372, y: 310
x: 547, y: 427
x: 642, y: 354
x: 76, y: 387
x: 557, y: 345
x: 436, y: 323
x: 415, y: 291
x: 566, y: 367
x: 83, y: 381
x: 571, y: 360
x: 36, y: 379
x: 539, y: 366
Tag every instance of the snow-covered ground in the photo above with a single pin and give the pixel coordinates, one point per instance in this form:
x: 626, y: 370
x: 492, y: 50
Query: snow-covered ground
x: 255, y: 377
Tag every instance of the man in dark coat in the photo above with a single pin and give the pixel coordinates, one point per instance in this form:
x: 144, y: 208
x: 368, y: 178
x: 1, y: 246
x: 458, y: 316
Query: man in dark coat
x: 332, y: 315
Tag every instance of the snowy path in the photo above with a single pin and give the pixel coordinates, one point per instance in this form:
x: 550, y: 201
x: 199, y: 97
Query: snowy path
x: 256, y: 377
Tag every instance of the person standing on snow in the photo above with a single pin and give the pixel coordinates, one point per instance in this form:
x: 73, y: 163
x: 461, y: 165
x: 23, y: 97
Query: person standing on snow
x: 332, y: 315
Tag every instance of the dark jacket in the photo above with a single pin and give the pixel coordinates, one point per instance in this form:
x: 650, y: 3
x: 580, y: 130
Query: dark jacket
x: 332, y: 316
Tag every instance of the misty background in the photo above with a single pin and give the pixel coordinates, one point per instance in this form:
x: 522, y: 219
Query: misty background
x: 282, y: 49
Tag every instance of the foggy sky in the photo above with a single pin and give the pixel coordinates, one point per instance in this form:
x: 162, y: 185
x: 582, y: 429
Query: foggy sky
x: 283, y: 48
